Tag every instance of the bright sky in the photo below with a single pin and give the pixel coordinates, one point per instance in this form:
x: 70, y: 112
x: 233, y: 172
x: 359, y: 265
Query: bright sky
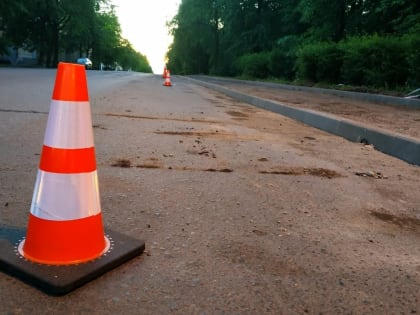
x: 143, y: 23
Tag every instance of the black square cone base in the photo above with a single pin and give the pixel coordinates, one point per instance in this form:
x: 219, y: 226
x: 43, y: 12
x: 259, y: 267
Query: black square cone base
x: 60, y: 280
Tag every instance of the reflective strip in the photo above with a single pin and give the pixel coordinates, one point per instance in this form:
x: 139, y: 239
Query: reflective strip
x: 65, y: 196
x: 69, y: 125
x: 67, y: 161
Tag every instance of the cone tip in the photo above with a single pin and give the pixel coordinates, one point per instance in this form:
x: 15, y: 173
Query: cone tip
x: 70, y: 83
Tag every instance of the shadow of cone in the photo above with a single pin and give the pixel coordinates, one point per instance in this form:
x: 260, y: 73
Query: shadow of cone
x: 65, y: 226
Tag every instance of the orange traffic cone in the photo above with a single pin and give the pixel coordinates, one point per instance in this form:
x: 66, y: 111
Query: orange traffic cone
x: 164, y: 73
x: 167, y: 79
x: 65, y: 234
x: 65, y: 221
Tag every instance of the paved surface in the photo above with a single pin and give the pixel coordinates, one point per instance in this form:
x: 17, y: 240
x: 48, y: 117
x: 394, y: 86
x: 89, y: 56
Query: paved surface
x: 243, y: 211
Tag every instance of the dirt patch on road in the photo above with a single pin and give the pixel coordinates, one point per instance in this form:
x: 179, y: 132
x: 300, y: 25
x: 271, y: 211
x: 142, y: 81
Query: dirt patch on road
x: 402, y: 222
x: 321, y: 172
x: 236, y: 114
x: 195, y: 120
x: 121, y: 163
x: 191, y: 133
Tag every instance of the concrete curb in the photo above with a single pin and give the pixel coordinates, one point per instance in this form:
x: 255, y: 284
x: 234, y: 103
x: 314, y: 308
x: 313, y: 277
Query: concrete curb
x: 374, y: 98
x: 402, y: 147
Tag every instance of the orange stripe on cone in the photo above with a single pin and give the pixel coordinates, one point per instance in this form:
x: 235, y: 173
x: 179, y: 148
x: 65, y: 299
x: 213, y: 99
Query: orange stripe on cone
x: 64, y: 242
x: 65, y: 221
x: 56, y: 160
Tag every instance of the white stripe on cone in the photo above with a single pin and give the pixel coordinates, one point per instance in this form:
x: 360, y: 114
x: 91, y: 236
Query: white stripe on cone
x: 69, y: 125
x: 62, y: 197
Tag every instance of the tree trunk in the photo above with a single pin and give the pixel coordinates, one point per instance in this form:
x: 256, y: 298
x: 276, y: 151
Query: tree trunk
x: 55, y: 46
x: 340, y: 21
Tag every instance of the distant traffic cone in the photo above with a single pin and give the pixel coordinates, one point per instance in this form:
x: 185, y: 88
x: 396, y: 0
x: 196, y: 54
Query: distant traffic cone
x: 167, y: 79
x: 65, y: 220
x: 164, y: 73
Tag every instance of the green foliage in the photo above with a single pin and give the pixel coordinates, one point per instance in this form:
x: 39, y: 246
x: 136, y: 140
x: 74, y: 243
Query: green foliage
x: 254, y: 65
x: 78, y: 32
x: 9, y: 10
x: 209, y: 36
x: 412, y: 55
x: 325, y: 18
x: 375, y: 61
x: 283, y: 58
x: 67, y: 29
x: 319, y: 62
x: 107, y: 37
x: 307, y: 63
x: 386, y: 17
x: 342, y: 41
x: 128, y: 58
x: 194, y: 29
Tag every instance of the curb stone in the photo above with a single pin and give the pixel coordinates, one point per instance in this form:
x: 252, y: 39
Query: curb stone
x: 403, y: 147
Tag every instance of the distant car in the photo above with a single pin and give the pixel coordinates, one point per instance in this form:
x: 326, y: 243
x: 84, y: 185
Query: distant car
x: 86, y: 62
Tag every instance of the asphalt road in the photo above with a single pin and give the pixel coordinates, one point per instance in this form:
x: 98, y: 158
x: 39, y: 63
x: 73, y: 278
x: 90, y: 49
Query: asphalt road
x: 243, y: 211
x: 30, y: 89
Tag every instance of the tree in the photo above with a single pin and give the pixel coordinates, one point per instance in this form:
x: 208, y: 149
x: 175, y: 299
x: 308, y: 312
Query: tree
x: 78, y: 33
x: 128, y: 58
x: 9, y: 10
x: 106, y: 36
x: 209, y: 36
x: 192, y: 29
x: 390, y: 16
x: 49, y: 26
x: 326, y: 19
x: 62, y: 29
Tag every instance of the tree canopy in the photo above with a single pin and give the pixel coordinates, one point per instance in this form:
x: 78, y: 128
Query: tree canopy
x: 278, y: 38
x: 67, y: 29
